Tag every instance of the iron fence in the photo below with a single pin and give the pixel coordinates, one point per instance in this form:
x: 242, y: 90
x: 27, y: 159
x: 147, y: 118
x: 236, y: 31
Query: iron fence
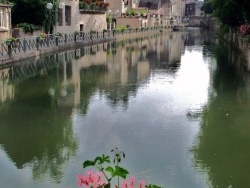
x: 34, y: 43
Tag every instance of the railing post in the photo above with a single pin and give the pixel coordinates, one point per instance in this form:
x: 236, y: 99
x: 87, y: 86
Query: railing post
x: 24, y: 45
x: 65, y: 38
x: 57, y: 41
x: 75, y: 37
x: 47, y: 40
x: 9, y: 50
x: 37, y: 43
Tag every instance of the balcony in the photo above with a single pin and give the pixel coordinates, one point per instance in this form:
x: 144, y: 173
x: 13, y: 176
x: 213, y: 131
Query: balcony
x: 93, y: 6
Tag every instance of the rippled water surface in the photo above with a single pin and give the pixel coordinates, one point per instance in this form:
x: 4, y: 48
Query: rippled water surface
x: 176, y: 104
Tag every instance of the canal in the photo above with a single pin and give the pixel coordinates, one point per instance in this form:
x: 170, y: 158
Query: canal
x: 176, y: 104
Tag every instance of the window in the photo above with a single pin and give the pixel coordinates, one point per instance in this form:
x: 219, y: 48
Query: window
x: 67, y: 15
x: 60, y: 17
x: 3, y: 19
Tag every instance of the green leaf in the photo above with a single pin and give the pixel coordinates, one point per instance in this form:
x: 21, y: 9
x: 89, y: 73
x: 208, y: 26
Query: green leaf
x: 88, y: 163
x: 152, y: 186
x: 110, y: 170
x: 98, y: 159
x: 121, y: 172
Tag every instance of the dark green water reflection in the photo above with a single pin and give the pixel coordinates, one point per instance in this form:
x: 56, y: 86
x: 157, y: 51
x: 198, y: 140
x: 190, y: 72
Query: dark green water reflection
x: 222, y: 147
x: 176, y: 104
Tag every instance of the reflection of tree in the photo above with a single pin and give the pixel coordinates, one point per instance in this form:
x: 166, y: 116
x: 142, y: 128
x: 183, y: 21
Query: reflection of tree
x: 94, y: 77
x: 90, y: 80
x: 116, y: 92
x: 222, y: 147
x: 35, y: 132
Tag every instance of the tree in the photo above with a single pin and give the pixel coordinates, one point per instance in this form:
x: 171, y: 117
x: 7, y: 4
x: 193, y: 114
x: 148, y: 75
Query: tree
x: 207, y: 7
x: 229, y: 12
x: 246, y: 5
x: 34, y: 12
x: 232, y: 12
x: 28, y: 11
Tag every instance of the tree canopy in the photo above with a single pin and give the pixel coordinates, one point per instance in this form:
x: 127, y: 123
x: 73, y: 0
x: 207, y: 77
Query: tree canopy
x: 229, y: 12
x: 28, y: 11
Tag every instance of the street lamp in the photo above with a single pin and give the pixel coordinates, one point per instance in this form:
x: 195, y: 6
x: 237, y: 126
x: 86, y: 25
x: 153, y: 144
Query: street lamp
x: 109, y: 19
x: 115, y: 16
x: 50, y: 6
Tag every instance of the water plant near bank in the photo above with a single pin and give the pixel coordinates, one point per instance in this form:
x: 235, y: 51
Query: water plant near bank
x: 109, y: 173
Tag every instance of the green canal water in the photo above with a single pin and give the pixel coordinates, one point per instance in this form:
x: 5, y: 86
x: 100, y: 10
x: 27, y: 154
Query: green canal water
x: 178, y: 105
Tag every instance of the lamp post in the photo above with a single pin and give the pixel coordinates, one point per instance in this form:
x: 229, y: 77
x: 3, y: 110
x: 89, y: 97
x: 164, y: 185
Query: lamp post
x: 54, y: 9
x: 109, y: 20
x: 115, y: 16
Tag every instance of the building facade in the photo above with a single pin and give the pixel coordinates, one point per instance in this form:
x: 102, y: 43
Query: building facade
x: 79, y: 15
x: 5, y: 19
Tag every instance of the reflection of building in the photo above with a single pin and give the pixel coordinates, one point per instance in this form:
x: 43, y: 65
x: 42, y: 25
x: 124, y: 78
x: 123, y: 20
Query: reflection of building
x: 5, y: 19
x: 6, y: 89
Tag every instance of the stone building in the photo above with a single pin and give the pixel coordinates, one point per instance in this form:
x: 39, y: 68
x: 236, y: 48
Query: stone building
x: 78, y: 15
x: 193, y: 7
x: 5, y: 19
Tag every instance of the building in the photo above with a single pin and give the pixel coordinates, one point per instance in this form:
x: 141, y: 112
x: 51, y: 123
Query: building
x: 145, y: 13
x: 192, y: 7
x: 5, y: 19
x: 81, y: 15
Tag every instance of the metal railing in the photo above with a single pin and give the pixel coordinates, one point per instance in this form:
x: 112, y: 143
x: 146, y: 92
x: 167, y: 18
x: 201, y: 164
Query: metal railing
x: 34, y: 43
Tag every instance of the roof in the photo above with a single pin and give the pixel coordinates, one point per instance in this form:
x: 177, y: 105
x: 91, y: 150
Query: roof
x: 150, y: 4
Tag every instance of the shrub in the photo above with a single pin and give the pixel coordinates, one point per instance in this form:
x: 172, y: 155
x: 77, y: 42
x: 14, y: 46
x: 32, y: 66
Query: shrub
x: 133, y: 12
x: 120, y: 28
x: 28, y: 28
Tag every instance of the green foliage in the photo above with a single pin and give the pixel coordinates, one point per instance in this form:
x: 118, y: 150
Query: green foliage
x: 83, y: 5
x: 229, y: 12
x: 121, y: 28
x: 102, y: 164
x: 224, y: 30
x: 143, y: 11
x: 128, y: 12
x: 10, y: 40
x: 109, y: 19
x: 58, y: 34
x: 152, y: 186
x: 28, y: 11
x: 109, y: 170
x: 133, y: 12
x: 28, y: 28
x: 207, y: 7
x: 76, y: 33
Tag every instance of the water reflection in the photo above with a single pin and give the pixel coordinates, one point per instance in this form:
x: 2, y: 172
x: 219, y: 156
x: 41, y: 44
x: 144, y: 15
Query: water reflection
x: 133, y: 94
x: 221, y: 149
x: 35, y: 131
